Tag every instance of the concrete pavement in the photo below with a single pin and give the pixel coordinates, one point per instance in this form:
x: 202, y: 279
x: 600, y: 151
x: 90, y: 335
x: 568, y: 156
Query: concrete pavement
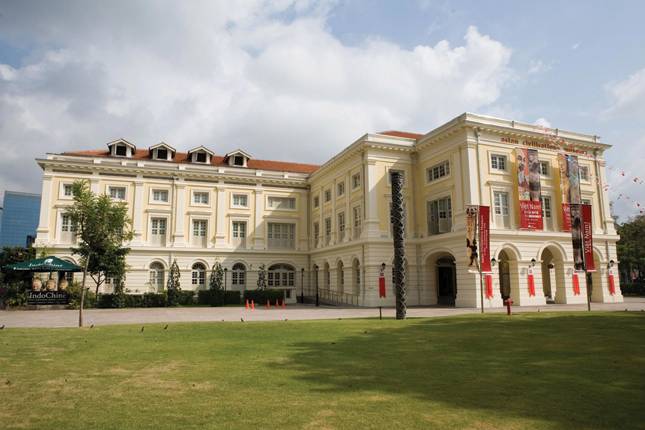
x: 69, y: 318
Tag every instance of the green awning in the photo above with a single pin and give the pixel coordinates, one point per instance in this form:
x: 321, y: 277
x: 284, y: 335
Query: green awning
x: 47, y: 264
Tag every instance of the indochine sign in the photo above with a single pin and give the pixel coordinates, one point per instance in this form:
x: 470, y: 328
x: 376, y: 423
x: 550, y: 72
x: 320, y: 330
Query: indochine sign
x: 47, y: 298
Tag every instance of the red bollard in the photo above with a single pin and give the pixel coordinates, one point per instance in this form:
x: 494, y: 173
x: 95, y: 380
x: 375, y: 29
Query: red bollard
x: 508, y: 306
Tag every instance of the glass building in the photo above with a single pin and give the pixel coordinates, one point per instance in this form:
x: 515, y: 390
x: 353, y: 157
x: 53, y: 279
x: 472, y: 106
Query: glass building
x: 20, y: 215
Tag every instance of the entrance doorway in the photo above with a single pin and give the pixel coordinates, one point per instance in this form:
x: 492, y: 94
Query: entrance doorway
x: 447, y: 282
x: 504, y: 276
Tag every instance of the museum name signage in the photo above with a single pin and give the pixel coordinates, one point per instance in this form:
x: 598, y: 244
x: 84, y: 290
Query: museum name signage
x: 536, y: 144
x: 47, y: 298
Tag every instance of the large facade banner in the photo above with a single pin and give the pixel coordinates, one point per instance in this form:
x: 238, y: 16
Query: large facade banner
x: 528, y: 184
x: 587, y: 239
x: 574, y: 179
x: 484, y: 239
x: 564, y: 189
x: 576, y: 237
x: 471, y: 238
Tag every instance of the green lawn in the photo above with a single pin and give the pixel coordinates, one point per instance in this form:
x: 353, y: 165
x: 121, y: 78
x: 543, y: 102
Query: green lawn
x: 538, y: 370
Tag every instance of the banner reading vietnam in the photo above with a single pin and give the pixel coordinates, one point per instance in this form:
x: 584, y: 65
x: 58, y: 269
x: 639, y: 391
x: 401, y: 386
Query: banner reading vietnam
x: 564, y: 189
x: 484, y: 239
x: 576, y: 237
x: 528, y: 185
x: 471, y: 238
x: 587, y: 239
x: 574, y: 179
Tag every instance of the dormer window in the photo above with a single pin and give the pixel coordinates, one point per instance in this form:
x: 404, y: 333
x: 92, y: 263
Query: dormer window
x: 237, y: 158
x: 162, y: 154
x: 162, y: 151
x: 200, y: 157
x: 121, y: 150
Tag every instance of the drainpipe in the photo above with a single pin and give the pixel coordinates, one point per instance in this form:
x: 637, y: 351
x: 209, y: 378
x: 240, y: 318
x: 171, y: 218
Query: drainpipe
x: 600, y: 193
x: 413, y: 157
x: 479, y: 168
x: 364, y: 271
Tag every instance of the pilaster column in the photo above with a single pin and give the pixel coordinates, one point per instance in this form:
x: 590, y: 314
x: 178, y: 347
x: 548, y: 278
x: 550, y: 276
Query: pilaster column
x: 332, y: 236
x: 45, y: 206
x: 304, y: 221
x: 258, y: 237
x: 349, y: 225
x: 371, y: 221
x: 321, y: 228
x: 94, y: 184
x: 220, y: 236
x: 179, y: 237
x: 137, y: 213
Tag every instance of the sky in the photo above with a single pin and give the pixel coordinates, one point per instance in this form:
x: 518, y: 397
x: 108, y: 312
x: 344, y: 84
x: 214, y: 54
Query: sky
x: 299, y: 80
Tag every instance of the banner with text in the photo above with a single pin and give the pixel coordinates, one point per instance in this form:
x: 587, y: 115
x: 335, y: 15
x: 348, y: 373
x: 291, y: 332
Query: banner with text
x: 471, y: 238
x: 564, y: 190
x: 587, y: 239
x: 576, y: 237
x: 528, y: 185
x: 484, y: 239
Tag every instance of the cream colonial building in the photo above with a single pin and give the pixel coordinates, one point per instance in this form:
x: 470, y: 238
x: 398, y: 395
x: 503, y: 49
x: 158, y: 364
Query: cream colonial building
x: 331, y: 222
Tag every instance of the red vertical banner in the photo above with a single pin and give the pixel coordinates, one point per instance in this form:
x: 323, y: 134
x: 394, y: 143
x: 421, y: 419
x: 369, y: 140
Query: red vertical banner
x: 484, y: 239
x: 587, y: 239
x: 576, y: 284
x: 489, y: 286
x: 566, y: 217
x: 612, y: 285
x: 529, y: 189
x: 531, y: 283
x: 381, y: 284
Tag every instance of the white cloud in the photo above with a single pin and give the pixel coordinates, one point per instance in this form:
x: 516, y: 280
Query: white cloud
x: 225, y: 75
x: 539, y: 66
x: 543, y: 122
x: 628, y: 95
x: 574, y: 47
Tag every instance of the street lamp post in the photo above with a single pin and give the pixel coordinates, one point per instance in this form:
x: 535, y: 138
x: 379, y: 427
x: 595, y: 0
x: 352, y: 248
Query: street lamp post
x: 302, y: 285
x: 225, y: 271
x: 317, y: 302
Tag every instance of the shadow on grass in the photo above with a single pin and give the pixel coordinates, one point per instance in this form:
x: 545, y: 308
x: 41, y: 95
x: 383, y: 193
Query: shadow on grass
x: 570, y: 370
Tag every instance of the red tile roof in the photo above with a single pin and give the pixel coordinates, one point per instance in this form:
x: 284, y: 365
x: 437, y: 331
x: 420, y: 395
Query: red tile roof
x: 401, y: 134
x: 182, y: 157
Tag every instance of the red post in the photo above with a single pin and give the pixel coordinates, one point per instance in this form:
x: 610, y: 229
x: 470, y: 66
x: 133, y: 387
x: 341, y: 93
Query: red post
x: 508, y: 306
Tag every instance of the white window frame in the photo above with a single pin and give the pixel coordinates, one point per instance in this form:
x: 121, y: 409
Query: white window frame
x: 588, y: 167
x: 247, y: 196
x: 59, y: 229
x: 159, y: 202
x: 61, y: 192
x: 193, y: 157
x: 357, y: 223
x: 115, y: 186
x: 328, y: 229
x: 327, y: 192
x: 360, y: 181
x: 198, y: 191
x: 198, y: 280
x: 549, y: 174
x: 511, y: 204
x: 507, y: 163
x: 447, y: 176
x: 341, y: 232
x: 315, y: 202
x: 554, y: 218
x: 315, y: 232
x: 340, y: 185
x: 151, y: 217
x: 238, y: 277
x: 282, y: 222
x: 396, y: 169
x: 206, y: 243
x: 450, y: 211
x: 281, y: 196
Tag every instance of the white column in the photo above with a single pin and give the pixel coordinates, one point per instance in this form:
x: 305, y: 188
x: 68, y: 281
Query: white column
x: 179, y: 238
x: 45, y: 204
x: 258, y: 238
x: 332, y: 237
x: 220, y: 237
x: 371, y: 221
x: 349, y: 225
x: 321, y: 226
x: 94, y: 184
x: 137, y: 213
x: 304, y: 239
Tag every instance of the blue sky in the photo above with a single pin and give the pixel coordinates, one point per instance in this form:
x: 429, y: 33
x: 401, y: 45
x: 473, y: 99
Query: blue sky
x: 299, y: 80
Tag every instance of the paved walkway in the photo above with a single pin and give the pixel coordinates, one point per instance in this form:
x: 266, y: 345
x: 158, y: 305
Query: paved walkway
x: 69, y: 318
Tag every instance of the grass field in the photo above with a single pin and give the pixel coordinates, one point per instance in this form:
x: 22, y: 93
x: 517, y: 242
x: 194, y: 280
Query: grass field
x: 538, y: 370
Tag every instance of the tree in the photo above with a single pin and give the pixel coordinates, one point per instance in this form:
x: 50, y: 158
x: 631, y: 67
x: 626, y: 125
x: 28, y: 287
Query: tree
x: 173, y: 287
x: 100, y: 224
x: 107, y: 261
x: 216, y: 284
x: 262, y: 278
x: 14, y: 255
x: 631, y: 246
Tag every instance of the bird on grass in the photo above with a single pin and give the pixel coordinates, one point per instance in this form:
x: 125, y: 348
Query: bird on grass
x: 2, y: 328
x: 165, y: 327
x: 242, y: 319
x: 142, y: 329
x: 92, y: 326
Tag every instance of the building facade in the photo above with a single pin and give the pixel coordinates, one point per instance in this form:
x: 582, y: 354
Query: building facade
x: 327, y: 228
x: 21, y: 212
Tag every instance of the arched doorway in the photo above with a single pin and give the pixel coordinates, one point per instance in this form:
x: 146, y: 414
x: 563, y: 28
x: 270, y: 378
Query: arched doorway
x: 504, y: 275
x: 446, y: 281
x: 281, y: 275
x: 553, y: 274
x: 340, y: 275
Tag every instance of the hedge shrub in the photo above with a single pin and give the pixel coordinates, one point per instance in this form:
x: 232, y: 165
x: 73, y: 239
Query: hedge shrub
x: 73, y: 291
x: 147, y: 300
x: 204, y: 297
x: 262, y: 296
x: 635, y: 289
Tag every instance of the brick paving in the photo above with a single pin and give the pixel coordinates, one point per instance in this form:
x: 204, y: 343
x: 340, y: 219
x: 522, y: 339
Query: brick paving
x: 69, y: 318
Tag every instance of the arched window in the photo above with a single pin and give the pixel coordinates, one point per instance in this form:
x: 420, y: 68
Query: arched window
x: 199, y: 274
x: 357, y: 276
x: 157, y: 275
x: 239, y: 274
x: 281, y: 275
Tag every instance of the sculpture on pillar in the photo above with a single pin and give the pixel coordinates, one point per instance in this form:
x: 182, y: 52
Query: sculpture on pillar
x: 399, y: 243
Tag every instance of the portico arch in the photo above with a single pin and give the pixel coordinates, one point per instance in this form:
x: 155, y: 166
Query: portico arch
x: 440, y: 283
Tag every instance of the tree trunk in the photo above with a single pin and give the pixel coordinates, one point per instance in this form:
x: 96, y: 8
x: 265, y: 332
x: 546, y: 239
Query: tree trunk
x: 80, y: 308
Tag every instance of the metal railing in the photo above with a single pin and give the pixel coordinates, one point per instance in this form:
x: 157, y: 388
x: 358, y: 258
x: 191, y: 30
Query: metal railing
x: 335, y: 296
